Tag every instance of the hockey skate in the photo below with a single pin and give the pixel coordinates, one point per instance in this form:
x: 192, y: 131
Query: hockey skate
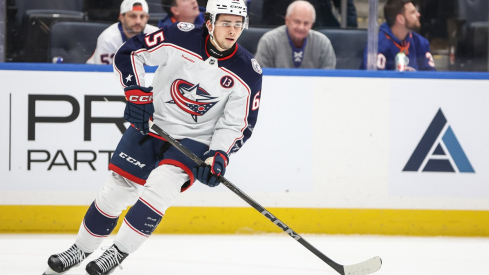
x: 64, y: 261
x: 106, y: 264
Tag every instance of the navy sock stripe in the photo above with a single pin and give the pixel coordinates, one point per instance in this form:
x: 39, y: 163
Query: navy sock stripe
x: 90, y: 232
x: 143, y: 217
x: 137, y: 231
x: 98, y: 223
x: 150, y: 206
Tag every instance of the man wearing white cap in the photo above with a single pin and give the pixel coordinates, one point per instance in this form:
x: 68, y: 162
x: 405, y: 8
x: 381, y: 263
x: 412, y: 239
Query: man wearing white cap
x: 132, y: 21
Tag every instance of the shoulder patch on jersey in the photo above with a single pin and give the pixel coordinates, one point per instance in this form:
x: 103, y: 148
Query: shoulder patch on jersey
x: 256, y: 66
x: 183, y: 26
x: 227, y: 82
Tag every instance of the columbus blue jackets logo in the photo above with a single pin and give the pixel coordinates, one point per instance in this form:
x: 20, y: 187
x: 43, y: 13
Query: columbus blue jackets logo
x: 256, y: 66
x: 183, y: 26
x: 191, y: 98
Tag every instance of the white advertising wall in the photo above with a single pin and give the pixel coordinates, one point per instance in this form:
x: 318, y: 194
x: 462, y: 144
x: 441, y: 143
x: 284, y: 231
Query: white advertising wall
x: 437, y: 137
x: 320, y: 142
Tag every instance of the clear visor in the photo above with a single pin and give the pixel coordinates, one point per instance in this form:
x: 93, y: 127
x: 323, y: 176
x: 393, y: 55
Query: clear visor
x: 237, y: 25
x: 245, y: 24
x: 229, y: 24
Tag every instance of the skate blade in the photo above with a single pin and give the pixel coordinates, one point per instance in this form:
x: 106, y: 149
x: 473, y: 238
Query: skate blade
x: 49, y: 271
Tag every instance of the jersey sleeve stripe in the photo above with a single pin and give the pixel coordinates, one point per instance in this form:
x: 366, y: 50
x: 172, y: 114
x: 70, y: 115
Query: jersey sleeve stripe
x: 133, y: 64
x: 120, y: 76
x: 245, y: 119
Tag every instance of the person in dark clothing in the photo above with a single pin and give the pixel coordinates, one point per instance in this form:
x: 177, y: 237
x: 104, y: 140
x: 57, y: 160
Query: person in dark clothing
x: 182, y: 11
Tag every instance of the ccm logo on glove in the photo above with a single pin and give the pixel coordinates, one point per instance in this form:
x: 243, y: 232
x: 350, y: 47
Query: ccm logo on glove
x: 138, y: 96
x: 139, y: 107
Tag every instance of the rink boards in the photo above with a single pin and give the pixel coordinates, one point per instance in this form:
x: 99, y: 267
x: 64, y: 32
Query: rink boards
x: 339, y: 152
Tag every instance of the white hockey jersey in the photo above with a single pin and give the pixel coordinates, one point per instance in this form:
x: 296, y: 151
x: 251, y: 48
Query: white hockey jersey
x: 196, y: 96
x: 109, y: 41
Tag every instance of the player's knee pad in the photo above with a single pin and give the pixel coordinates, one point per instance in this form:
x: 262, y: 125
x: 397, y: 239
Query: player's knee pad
x: 163, y: 186
x: 117, y: 194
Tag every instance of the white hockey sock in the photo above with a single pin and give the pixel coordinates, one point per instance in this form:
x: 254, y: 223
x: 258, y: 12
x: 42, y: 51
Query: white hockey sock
x: 162, y: 187
x: 129, y: 240
x: 101, y: 218
x: 86, y: 241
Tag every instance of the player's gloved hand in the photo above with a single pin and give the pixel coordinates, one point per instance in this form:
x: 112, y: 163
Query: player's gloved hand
x: 139, y: 107
x: 216, y: 162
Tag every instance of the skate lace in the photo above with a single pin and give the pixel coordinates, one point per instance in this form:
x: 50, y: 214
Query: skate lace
x: 109, y: 259
x: 72, y: 256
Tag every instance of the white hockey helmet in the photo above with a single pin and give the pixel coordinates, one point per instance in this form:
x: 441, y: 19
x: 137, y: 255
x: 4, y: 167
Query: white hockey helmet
x: 234, y: 7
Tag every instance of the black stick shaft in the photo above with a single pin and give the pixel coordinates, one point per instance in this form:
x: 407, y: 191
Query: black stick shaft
x: 339, y: 268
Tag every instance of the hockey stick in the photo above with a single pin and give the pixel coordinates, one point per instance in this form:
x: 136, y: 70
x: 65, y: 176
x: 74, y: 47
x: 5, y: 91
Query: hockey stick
x: 363, y: 268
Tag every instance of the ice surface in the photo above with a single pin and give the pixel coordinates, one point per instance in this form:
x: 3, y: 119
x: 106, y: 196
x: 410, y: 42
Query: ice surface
x: 27, y: 254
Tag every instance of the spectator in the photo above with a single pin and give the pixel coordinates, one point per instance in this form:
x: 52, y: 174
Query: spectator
x: 295, y: 45
x: 273, y: 12
x: 398, y: 35
x: 182, y: 11
x: 132, y: 21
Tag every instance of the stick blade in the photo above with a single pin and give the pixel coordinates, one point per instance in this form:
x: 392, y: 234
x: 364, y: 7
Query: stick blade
x: 367, y: 267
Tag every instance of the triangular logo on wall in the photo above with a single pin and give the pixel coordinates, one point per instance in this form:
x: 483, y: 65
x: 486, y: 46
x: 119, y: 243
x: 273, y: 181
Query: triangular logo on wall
x: 439, y: 150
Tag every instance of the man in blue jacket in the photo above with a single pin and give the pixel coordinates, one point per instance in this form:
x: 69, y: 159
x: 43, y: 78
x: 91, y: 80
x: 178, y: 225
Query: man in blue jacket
x: 398, y: 35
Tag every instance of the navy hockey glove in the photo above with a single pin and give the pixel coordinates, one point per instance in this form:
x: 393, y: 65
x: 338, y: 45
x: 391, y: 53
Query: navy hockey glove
x: 216, y: 166
x: 139, y: 107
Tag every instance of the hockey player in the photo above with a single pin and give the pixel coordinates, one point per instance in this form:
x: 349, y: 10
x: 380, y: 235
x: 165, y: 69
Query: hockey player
x: 398, y: 35
x: 206, y: 93
x: 132, y: 21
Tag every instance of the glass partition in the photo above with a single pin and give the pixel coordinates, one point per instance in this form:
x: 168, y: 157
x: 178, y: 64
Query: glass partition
x: 457, y: 30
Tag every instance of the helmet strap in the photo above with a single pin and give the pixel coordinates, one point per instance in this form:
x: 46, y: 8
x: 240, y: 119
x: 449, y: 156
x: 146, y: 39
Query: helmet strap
x: 211, y: 33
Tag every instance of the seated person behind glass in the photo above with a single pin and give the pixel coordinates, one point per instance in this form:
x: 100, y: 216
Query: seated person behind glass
x: 397, y: 36
x: 133, y: 18
x: 295, y: 45
x: 182, y: 11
